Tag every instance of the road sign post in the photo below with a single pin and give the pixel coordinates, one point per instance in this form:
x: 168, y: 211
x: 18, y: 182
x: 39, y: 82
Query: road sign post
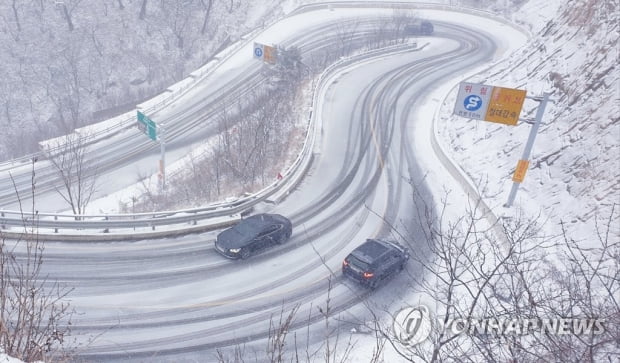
x: 501, y: 105
x: 162, y: 158
x: 528, y: 150
x: 156, y: 133
x: 148, y: 126
x: 266, y: 53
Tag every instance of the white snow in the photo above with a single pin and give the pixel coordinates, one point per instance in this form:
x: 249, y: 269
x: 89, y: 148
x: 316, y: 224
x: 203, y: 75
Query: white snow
x: 573, y: 174
x: 8, y: 359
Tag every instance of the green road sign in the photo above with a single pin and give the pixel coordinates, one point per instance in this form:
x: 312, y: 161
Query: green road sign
x: 147, y: 126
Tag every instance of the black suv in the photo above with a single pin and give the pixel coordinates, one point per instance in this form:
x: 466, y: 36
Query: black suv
x: 253, y: 234
x: 374, y: 261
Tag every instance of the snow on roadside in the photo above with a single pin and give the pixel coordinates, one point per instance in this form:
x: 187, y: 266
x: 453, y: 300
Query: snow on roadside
x: 8, y: 359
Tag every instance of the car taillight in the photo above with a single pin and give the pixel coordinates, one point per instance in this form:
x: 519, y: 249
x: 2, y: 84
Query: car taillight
x: 368, y: 275
x: 345, y: 263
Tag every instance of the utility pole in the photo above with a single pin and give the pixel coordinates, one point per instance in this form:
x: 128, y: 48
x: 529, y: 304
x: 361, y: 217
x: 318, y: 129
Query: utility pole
x: 162, y: 157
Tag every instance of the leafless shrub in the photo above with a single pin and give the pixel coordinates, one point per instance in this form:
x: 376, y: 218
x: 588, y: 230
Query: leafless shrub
x: 470, y: 271
x: 69, y: 158
x: 248, y: 154
x: 35, y: 317
x: 276, y: 343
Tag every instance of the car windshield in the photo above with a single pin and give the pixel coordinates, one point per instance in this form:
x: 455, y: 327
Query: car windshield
x: 357, y: 263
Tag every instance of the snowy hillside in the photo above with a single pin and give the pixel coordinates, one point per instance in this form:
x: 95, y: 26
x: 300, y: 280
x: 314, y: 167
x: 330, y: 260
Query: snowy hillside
x: 66, y: 64
x: 574, y: 167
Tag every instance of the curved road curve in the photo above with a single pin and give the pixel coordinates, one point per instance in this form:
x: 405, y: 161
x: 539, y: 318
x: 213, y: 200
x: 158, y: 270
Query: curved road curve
x: 178, y: 300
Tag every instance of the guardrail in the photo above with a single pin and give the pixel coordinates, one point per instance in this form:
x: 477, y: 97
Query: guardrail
x: 192, y: 219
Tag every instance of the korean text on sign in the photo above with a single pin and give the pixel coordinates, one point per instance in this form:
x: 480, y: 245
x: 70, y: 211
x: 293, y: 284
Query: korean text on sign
x: 505, y: 105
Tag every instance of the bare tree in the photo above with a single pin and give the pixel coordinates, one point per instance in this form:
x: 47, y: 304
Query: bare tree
x: 583, y: 283
x: 333, y: 352
x: 276, y: 342
x: 290, y: 66
x: 34, y: 315
x: 473, y: 269
x: 283, y: 344
x: 143, y: 9
x: 401, y: 19
x: 207, y: 8
x: 68, y: 10
x: 65, y: 89
x: 178, y: 20
x: 16, y: 15
x: 68, y: 156
x: 345, y: 35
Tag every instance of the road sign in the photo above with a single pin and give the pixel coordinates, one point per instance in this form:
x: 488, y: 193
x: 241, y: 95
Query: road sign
x: 472, y: 100
x: 270, y: 54
x: 265, y: 53
x: 489, y: 103
x: 147, y: 126
x: 520, y: 171
x: 505, y: 105
x: 258, y: 51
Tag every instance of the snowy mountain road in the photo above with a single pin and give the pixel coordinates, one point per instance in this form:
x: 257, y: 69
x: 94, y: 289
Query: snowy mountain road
x: 175, y: 299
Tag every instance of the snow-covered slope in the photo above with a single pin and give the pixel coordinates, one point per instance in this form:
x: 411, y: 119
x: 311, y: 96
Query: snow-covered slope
x: 66, y: 64
x: 574, y: 167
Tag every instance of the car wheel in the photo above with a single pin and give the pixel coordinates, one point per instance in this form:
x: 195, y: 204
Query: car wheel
x: 245, y: 253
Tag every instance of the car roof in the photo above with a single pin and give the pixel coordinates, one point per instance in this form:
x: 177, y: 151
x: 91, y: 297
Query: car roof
x: 246, y: 230
x: 371, y: 250
x: 254, y: 224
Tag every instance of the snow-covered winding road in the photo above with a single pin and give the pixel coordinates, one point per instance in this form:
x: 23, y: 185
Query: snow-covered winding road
x: 176, y: 299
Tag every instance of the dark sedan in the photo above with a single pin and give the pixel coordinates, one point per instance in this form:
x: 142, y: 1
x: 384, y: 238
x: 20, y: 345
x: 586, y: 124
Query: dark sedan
x: 253, y: 234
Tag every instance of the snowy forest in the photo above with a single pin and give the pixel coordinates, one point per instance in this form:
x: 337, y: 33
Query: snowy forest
x: 70, y: 63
